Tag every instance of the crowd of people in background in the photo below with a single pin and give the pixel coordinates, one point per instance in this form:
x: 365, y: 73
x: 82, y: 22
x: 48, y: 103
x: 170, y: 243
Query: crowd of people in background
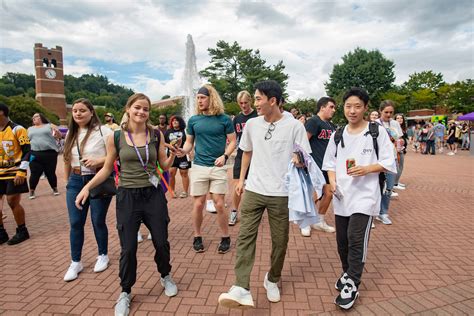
x: 360, y: 166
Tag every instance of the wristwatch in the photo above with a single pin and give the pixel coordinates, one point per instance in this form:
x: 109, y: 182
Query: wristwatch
x: 226, y: 157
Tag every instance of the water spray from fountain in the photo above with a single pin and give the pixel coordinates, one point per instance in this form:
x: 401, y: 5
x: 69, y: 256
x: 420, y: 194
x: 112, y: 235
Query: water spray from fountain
x: 191, y: 80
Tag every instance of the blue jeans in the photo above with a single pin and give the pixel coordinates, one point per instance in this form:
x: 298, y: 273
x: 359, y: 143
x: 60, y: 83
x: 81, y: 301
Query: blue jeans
x: 385, y: 202
x: 401, y: 163
x: 77, y: 218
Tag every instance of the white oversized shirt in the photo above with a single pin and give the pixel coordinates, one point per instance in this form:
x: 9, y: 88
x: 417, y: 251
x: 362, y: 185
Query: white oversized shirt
x: 270, y: 158
x: 94, y: 147
x: 360, y: 194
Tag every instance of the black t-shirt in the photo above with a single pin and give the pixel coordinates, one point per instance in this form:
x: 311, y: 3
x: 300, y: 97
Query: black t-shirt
x: 321, y: 133
x: 172, y: 135
x: 239, y: 123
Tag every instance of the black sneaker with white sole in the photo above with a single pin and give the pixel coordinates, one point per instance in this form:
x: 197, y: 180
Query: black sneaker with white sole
x: 348, y: 295
x: 198, y: 245
x: 224, y: 245
x: 341, y: 282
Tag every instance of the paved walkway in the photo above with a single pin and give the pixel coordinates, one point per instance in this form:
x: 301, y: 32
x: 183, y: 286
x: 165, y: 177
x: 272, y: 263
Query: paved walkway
x: 423, y: 263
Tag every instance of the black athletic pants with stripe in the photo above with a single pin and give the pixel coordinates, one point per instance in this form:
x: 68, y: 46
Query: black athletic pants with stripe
x: 134, y: 206
x: 352, y: 234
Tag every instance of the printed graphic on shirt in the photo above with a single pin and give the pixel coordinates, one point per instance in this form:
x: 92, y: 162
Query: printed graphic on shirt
x: 15, y: 144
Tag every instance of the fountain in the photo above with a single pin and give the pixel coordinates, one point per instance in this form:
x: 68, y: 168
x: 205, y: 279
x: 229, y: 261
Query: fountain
x: 191, y: 80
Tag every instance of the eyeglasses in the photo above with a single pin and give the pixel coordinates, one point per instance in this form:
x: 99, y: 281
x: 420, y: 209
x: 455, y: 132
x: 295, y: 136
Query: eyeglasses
x: 271, y: 128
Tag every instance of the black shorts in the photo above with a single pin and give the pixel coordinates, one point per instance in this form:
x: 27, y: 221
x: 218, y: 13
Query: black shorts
x: 237, y: 167
x: 326, y: 177
x: 7, y: 187
x: 181, y: 163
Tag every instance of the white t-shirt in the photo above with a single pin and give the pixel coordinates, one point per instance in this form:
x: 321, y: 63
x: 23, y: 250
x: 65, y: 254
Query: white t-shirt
x: 270, y: 158
x: 392, y: 124
x: 360, y: 194
x: 94, y: 147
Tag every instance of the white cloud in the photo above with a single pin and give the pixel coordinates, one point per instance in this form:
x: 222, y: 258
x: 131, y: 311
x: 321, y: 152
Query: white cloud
x: 24, y: 66
x: 309, y: 36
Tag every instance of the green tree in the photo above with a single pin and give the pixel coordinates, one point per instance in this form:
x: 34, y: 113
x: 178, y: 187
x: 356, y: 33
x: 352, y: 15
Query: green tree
x: 458, y: 97
x: 231, y: 108
x: 303, y: 105
x: 369, y: 70
x: 234, y: 69
x: 423, y: 80
x: 22, y: 109
x: 398, y: 97
x: 423, y: 98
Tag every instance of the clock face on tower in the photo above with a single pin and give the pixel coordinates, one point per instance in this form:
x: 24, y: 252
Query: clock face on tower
x: 50, y: 73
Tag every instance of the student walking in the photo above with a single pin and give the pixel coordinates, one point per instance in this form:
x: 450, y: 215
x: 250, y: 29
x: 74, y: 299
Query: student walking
x: 44, y: 152
x: 208, y: 132
x: 353, y: 165
x: 14, y: 163
x: 268, y: 144
x: 139, y: 196
x: 319, y: 129
x: 244, y: 99
x: 84, y: 155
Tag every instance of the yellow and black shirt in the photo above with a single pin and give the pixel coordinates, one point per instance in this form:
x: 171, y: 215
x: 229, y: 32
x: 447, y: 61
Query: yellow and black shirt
x: 14, y: 151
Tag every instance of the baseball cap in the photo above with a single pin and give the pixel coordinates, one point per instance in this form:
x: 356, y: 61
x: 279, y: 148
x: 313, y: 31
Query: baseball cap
x: 109, y: 114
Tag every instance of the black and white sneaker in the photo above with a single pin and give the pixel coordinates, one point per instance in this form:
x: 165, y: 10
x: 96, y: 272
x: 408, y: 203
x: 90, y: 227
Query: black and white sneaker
x: 348, y: 295
x: 341, y: 282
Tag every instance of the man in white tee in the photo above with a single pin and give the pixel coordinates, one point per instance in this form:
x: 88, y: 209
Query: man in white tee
x: 267, y: 141
x: 356, y: 189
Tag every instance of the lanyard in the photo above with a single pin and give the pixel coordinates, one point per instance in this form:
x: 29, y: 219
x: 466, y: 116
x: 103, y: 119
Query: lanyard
x: 147, y: 153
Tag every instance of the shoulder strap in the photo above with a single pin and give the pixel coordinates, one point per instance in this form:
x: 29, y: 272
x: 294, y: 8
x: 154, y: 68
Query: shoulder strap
x: 157, y: 133
x: 374, y: 132
x: 338, y: 137
x: 117, y: 141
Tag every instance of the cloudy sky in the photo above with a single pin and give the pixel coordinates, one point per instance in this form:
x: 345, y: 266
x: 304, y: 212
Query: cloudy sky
x: 141, y: 44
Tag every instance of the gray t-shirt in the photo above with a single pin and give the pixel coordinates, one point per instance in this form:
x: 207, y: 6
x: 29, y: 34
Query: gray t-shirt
x: 41, y: 138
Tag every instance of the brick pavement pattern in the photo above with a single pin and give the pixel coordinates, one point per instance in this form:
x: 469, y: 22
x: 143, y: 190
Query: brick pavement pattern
x: 422, y: 264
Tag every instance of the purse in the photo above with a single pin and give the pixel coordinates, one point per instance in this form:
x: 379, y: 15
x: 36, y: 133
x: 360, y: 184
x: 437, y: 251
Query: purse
x: 106, y: 188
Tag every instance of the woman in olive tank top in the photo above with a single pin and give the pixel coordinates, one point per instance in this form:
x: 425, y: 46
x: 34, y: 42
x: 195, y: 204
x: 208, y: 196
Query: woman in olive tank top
x: 139, y: 195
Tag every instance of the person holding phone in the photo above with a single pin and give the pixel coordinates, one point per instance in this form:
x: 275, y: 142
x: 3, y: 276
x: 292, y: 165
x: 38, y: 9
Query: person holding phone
x: 140, y: 196
x: 84, y: 155
x: 175, y: 137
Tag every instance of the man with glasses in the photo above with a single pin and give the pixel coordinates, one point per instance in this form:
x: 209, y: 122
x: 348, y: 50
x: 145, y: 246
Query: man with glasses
x: 267, y: 144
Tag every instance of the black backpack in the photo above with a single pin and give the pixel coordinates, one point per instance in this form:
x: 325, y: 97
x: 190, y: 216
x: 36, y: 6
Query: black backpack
x: 374, y: 132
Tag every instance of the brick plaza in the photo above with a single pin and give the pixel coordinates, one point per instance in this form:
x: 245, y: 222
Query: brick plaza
x: 423, y: 263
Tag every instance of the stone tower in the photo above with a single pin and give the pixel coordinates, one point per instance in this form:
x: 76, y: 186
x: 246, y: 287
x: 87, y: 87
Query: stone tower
x: 50, y: 79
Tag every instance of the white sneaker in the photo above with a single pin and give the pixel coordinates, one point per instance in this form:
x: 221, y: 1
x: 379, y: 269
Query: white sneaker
x: 450, y: 154
x: 210, y: 207
x: 394, y: 194
x: 323, y: 226
x: 149, y: 236
x: 373, y: 225
x: 237, y: 297
x: 170, y: 287
x: 399, y: 187
x: 384, y: 219
x: 102, y: 263
x: 306, y: 231
x: 74, y: 269
x: 273, y: 293
x: 122, y: 308
x: 402, y: 184
x: 139, y: 237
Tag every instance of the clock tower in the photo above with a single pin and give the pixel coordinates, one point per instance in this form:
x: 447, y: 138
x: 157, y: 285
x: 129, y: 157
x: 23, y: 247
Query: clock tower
x: 50, y: 79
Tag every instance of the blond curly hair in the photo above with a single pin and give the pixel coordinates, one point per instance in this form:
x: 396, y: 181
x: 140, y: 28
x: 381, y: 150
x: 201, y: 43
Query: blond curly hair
x: 216, y: 106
